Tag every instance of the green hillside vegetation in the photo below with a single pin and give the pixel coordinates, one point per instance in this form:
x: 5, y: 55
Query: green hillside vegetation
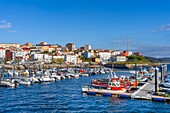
x: 137, y: 59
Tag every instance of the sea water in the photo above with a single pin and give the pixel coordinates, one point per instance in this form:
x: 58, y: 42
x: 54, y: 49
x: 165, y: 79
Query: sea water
x: 65, y: 96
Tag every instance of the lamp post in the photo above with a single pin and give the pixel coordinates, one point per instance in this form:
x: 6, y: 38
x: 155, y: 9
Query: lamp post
x: 136, y: 75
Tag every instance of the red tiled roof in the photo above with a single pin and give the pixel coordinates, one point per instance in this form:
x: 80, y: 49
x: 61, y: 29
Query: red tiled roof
x: 2, y: 48
x: 26, y: 49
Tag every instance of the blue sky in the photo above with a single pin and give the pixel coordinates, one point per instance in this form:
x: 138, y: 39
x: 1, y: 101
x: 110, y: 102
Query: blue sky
x: 102, y: 23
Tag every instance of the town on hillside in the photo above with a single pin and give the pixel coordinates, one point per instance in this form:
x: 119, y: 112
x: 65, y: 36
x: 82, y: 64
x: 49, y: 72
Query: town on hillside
x: 55, y: 53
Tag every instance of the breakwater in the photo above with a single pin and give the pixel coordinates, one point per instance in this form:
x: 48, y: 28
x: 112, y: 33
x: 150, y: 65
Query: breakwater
x: 130, y: 66
x: 47, y: 66
x: 36, y: 65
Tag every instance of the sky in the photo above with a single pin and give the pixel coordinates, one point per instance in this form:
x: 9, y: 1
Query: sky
x: 105, y: 24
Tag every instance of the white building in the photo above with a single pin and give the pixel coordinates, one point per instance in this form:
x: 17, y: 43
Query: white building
x: 56, y: 57
x: 46, y: 57
x: 104, y: 55
x: 38, y: 57
x: 5, y: 45
x: 51, y: 49
x: 2, y: 53
x: 88, y: 54
x: 120, y: 58
x: 19, y: 54
x: 34, y: 51
x: 71, y: 59
x: 116, y: 52
x: 26, y: 52
x: 130, y: 53
x: 87, y: 47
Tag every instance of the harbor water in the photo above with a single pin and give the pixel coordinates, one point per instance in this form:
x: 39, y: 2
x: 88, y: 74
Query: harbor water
x: 66, y: 96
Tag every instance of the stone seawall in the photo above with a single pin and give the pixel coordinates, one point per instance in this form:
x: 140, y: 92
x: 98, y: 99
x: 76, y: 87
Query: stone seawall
x: 130, y: 66
x: 122, y: 66
x: 46, y: 66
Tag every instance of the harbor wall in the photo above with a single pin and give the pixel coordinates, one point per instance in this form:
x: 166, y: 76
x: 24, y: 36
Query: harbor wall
x: 121, y: 66
x: 129, y: 66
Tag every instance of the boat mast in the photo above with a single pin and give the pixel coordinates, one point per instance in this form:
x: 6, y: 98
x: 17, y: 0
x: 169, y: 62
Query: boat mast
x: 0, y: 73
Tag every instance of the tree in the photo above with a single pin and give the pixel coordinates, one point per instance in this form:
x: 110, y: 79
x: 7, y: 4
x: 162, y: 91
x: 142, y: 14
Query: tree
x: 137, y: 59
x: 5, y: 59
x: 53, y: 60
x: 60, y: 60
x: 45, y: 52
x: 52, y: 53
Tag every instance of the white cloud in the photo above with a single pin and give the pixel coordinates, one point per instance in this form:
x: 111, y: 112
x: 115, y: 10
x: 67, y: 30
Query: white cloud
x: 116, y: 41
x: 3, y: 21
x: 120, y: 41
x: 153, y: 50
x: 165, y: 28
x: 162, y: 28
x: 4, y: 24
x: 12, y: 31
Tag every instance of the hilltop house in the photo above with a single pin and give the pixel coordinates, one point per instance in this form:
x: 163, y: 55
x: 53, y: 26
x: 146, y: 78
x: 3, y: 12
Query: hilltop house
x: 120, y: 58
x: 116, y: 52
x: 104, y: 55
x: 43, y: 46
x: 88, y: 54
x: 126, y: 53
x: 71, y: 59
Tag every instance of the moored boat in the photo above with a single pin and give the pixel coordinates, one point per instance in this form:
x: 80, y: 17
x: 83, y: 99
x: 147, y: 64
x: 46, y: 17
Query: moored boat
x: 8, y: 83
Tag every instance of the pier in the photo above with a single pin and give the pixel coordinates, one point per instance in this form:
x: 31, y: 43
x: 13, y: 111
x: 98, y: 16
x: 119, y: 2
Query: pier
x: 144, y: 92
x: 148, y: 91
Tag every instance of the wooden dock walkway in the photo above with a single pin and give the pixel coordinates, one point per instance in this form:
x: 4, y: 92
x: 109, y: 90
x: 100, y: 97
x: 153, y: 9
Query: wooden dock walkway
x: 144, y: 91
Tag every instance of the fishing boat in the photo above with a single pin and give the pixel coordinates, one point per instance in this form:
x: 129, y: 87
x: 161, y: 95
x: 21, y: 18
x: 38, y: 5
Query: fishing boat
x: 35, y: 79
x: 73, y: 75
x: 54, y: 75
x: 46, y: 78
x: 100, y: 83
x: 113, y: 82
x: 83, y: 74
x: 21, y: 80
x: 8, y: 83
x: 166, y: 90
x: 112, y: 88
x: 102, y: 71
x: 166, y: 83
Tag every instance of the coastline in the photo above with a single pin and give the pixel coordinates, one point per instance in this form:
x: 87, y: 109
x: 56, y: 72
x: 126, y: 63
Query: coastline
x: 115, y: 65
x: 131, y: 66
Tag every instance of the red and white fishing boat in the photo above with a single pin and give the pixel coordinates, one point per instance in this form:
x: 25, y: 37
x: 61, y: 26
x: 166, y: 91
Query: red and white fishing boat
x: 113, y: 83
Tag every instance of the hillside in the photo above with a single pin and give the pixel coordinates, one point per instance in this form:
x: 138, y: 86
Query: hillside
x: 158, y: 60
